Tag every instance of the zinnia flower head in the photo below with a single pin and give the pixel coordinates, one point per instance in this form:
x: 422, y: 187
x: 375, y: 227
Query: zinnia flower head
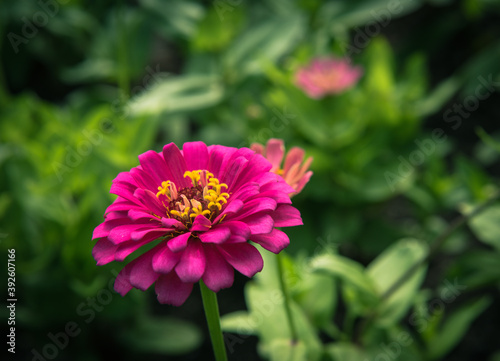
x: 293, y: 172
x: 326, y: 76
x: 198, y: 207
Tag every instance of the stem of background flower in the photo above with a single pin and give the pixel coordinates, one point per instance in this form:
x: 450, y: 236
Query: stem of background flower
x: 284, y: 290
x: 213, y: 320
x: 436, y: 245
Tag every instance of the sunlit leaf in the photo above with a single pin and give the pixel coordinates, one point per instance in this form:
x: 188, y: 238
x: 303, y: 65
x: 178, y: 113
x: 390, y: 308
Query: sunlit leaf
x: 388, y: 268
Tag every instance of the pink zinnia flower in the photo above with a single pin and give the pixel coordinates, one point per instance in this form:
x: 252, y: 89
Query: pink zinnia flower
x: 327, y: 76
x: 293, y: 172
x: 202, y: 205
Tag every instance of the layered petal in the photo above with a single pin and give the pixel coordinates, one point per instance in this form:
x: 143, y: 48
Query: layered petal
x: 276, y: 241
x: 275, y: 149
x: 195, y: 155
x: 191, y: 266
x: 244, y: 257
x: 287, y: 216
x: 171, y: 290
x: 218, y: 273
x: 104, y: 251
x: 165, y: 260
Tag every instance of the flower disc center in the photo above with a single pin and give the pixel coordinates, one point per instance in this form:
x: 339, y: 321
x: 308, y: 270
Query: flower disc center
x: 204, y: 197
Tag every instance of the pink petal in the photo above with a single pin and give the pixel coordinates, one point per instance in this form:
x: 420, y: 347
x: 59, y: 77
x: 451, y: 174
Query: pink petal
x: 165, y: 260
x: 244, y: 257
x: 150, y: 201
x: 254, y: 206
x: 232, y: 207
x: 142, y: 275
x: 259, y: 223
x: 123, y: 185
x: 144, y: 180
x: 104, y: 251
x: 278, y: 197
x: 216, y: 235
x: 179, y: 243
x: 196, y: 155
x: 275, y: 241
x: 218, y: 158
x: 154, y: 165
x: 294, y: 156
x: 233, y: 165
x: 137, y: 214
x: 218, y: 273
x: 176, y: 165
x: 303, y: 181
x: 246, y: 191
x: 171, y: 290
x: 275, y: 149
x: 122, y: 233
x: 276, y: 180
x: 127, y: 248
x: 122, y: 282
x: 192, y: 263
x: 256, y: 165
x: 286, y: 216
x: 238, y: 229
x: 108, y: 225
x: 231, y: 174
x: 258, y: 148
x: 100, y: 231
x: 122, y: 204
x: 172, y: 223
x: 152, y: 233
x: 277, y: 187
x: 201, y: 223
x: 138, y: 273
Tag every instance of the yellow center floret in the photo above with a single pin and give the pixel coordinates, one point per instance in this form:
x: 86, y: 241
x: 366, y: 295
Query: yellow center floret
x: 205, y: 197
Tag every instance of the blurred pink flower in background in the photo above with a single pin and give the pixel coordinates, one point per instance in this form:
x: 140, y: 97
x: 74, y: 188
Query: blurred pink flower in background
x: 327, y: 76
x: 293, y: 172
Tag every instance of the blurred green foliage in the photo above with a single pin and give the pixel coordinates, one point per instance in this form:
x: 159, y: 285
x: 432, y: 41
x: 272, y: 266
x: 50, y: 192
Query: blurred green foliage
x: 86, y: 87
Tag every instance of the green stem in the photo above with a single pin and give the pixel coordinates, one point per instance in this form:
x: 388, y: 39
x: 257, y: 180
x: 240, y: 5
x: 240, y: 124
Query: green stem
x: 213, y: 320
x: 436, y: 245
x: 284, y: 290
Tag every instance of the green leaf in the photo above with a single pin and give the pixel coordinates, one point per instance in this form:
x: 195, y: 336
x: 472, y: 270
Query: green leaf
x: 387, y: 268
x: 267, y: 315
x: 284, y: 350
x: 455, y: 327
x: 214, y: 34
x: 348, y: 14
x: 239, y: 322
x: 486, y: 225
x: 316, y: 295
x: 163, y: 335
x: 266, y: 42
x: 379, y: 77
x: 344, y: 351
x: 102, y: 63
x: 186, y: 93
x: 178, y: 17
x: 346, y: 270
